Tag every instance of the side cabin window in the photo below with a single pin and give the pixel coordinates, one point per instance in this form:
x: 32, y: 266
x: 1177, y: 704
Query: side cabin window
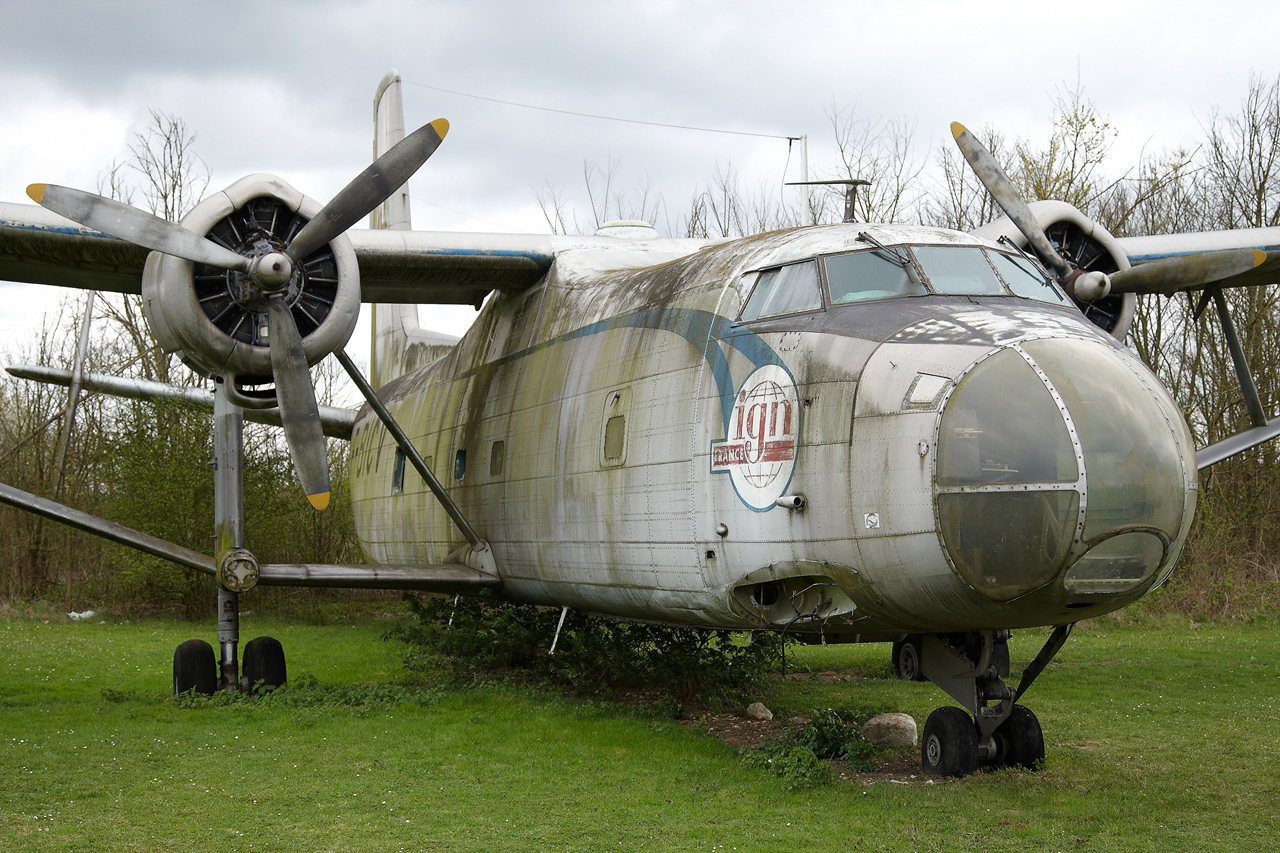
x: 785, y: 290
x: 397, y: 473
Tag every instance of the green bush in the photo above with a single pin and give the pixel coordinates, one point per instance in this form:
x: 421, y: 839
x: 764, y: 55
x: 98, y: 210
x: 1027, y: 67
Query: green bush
x: 797, y: 766
x: 797, y: 756
x: 480, y: 636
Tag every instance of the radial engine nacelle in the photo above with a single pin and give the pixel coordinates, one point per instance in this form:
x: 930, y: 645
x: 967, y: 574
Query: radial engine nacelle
x: 214, y: 320
x: 1085, y: 244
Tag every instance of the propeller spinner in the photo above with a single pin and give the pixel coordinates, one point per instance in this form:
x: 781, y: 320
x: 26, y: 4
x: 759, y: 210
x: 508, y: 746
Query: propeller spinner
x: 268, y: 274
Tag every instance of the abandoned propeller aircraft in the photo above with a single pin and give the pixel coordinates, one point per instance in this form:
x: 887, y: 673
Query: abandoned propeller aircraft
x: 853, y: 433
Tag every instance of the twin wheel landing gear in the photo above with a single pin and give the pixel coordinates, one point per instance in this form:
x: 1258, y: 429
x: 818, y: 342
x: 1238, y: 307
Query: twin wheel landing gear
x: 195, y: 667
x: 991, y: 730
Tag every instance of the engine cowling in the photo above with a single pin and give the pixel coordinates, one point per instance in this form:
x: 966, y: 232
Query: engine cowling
x: 1084, y: 243
x: 213, y: 321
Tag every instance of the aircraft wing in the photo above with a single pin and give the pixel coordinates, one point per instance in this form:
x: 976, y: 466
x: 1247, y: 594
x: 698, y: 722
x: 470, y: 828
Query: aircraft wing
x: 42, y: 247
x: 445, y: 266
x: 395, y: 266
x: 1144, y: 250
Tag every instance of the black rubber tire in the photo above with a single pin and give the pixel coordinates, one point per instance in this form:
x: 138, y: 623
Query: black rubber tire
x: 263, y: 662
x: 906, y: 658
x: 195, y: 668
x: 1019, y: 740
x: 950, y: 743
x: 1000, y: 657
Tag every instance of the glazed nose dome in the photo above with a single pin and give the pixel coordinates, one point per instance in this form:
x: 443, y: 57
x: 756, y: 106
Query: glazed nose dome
x: 1058, y: 454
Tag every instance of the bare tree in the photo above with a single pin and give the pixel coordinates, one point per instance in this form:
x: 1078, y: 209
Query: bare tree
x: 173, y: 176
x: 883, y: 153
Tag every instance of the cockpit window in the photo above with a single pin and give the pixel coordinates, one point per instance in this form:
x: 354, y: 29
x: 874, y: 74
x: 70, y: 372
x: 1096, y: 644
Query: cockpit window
x: 1025, y: 280
x: 959, y: 270
x: 785, y: 290
x: 869, y: 275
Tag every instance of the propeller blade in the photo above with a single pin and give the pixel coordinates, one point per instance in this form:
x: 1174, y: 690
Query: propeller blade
x: 298, y: 411
x: 129, y: 223
x: 369, y: 189
x: 993, y: 177
x: 1182, y: 272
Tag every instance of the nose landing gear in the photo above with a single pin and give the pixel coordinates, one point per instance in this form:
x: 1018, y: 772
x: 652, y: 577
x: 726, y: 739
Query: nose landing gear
x: 996, y: 732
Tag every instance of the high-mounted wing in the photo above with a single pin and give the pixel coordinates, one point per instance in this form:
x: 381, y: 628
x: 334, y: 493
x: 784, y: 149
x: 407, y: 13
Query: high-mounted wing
x: 41, y: 247
x: 1154, y: 249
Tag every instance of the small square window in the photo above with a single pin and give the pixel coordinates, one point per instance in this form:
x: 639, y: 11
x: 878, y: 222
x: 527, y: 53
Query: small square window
x: 497, y: 456
x: 397, y: 473
x: 615, y: 431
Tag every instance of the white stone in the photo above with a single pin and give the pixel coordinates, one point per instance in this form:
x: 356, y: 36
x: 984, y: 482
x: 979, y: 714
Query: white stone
x: 757, y: 711
x: 890, y: 730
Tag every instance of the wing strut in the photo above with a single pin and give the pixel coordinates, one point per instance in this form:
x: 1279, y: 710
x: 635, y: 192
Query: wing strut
x: 479, y: 547
x: 1262, y: 430
x: 1245, y: 378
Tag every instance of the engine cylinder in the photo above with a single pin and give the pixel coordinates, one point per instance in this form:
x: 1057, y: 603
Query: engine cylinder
x: 214, y: 320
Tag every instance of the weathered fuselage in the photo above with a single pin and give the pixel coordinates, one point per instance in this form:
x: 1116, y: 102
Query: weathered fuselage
x: 948, y: 457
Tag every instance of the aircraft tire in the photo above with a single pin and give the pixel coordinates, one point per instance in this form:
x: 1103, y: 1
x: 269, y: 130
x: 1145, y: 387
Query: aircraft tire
x: 195, y: 668
x: 950, y: 743
x: 906, y: 658
x: 1000, y: 658
x: 1020, y: 740
x: 263, y: 662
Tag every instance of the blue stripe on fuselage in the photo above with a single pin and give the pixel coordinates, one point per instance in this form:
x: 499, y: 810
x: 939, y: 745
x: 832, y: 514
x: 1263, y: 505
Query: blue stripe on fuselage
x: 702, y: 329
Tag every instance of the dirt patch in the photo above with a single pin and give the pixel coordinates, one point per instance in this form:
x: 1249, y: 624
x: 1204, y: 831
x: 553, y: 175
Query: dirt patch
x: 737, y: 729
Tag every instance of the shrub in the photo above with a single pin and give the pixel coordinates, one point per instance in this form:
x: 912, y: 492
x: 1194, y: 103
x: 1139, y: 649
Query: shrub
x: 479, y: 636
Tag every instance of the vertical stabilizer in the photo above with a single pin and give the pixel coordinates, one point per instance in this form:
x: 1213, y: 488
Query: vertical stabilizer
x: 399, y: 344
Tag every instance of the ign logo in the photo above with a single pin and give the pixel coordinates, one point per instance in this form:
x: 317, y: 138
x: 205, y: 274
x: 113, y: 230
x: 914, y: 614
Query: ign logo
x: 759, y: 451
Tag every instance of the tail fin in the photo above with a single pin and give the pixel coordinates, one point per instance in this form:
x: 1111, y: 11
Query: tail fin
x: 399, y: 344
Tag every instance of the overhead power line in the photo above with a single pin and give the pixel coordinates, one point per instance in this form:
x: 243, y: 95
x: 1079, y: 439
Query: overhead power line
x: 603, y: 118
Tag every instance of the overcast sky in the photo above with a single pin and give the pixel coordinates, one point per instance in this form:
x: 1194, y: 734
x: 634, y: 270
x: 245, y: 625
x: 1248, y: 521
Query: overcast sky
x: 287, y: 87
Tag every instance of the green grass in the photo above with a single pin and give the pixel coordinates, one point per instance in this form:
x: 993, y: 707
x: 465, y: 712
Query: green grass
x: 1159, y: 738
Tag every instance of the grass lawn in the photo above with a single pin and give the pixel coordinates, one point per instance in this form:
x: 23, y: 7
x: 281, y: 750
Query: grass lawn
x: 1161, y: 737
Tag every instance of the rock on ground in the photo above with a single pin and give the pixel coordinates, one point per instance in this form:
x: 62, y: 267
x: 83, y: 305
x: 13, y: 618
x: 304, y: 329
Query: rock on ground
x: 890, y: 730
x: 757, y: 711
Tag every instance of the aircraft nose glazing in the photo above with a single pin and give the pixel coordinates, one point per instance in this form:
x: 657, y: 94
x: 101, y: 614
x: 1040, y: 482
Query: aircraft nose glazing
x: 1062, y: 458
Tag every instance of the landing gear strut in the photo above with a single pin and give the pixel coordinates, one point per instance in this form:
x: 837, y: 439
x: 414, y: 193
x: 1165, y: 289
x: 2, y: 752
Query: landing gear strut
x: 194, y: 666
x: 996, y: 732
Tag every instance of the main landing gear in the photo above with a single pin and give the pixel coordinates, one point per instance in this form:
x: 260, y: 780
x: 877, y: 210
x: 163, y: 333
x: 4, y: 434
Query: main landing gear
x: 991, y: 729
x: 194, y: 664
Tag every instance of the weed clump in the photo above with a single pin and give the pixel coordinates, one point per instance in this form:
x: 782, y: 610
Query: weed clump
x: 306, y: 692
x: 480, y: 637
x: 797, y: 757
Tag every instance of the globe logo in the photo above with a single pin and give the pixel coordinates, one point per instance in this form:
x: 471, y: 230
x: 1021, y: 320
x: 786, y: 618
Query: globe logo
x: 759, y: 450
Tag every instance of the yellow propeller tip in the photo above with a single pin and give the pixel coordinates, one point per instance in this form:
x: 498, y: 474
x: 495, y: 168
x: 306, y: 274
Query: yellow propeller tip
x: 1259, y: 257
x: 957, y: 128
x: 36, y: 192
x: 319, y: 501
x: 440, y: 126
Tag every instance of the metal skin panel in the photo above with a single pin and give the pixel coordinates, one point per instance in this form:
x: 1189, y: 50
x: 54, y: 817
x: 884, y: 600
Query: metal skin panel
x: 678, y: 526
